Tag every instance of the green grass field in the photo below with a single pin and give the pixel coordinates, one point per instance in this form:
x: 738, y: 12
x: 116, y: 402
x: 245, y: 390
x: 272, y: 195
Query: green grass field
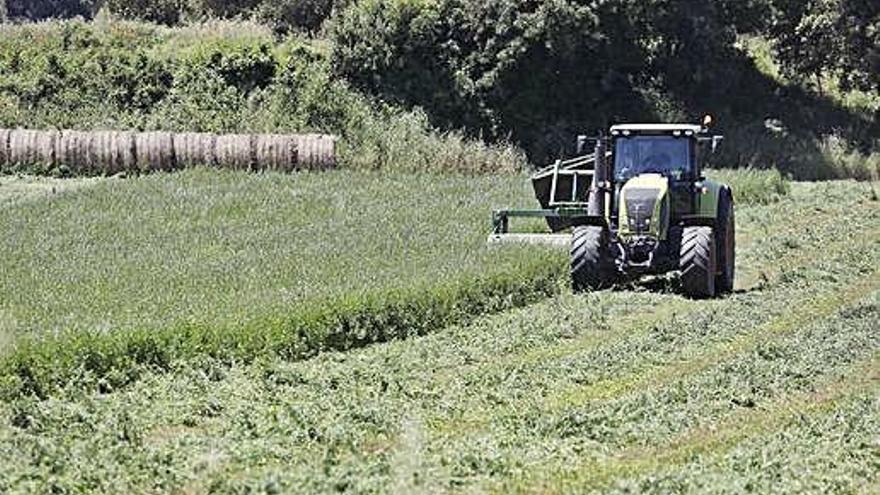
x: 223, y: 249
x: 773, y: 389
x: 146, y: 270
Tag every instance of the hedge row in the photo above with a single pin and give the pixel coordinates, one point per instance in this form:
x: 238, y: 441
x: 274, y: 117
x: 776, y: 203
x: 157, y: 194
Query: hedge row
x: 111, y: 152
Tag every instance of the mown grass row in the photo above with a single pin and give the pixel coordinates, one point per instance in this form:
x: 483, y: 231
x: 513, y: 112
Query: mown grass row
x: 387, y: 417
x: 690, y: 342
x: 826, y: 451
x: 699, y: 445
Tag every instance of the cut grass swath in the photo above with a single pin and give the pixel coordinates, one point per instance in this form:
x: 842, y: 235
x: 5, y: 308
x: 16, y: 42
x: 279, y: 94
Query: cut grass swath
x: 749, y: 423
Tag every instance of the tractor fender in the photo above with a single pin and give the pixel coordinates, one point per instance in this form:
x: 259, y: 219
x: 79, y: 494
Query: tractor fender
x: 709, y: 194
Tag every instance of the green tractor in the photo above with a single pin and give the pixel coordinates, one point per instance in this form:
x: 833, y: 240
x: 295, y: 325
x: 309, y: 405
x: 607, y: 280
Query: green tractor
x: 639, y: 205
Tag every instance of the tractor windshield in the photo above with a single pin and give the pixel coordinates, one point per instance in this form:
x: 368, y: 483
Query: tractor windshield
x: 666, y: 155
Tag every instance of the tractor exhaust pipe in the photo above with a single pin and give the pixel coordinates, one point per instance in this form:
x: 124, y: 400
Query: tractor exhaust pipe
x: 599, y: 187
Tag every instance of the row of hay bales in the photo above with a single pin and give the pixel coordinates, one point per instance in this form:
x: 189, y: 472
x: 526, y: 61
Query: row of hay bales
x: 112, y: 152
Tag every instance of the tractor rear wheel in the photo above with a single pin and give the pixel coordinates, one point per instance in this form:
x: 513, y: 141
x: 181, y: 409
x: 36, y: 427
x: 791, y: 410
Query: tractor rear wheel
x: 726, y: 233
x: 591, y: 267
x: 697, y: 262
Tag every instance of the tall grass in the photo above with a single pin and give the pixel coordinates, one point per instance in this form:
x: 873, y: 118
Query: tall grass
x: 752, y: 186
x: 844, y: 161
x: 141, y: 272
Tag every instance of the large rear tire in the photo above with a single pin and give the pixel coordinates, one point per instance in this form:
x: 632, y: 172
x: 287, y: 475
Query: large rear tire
x: 726, y: 248
x: 697, y: 262
x: 591, y: 267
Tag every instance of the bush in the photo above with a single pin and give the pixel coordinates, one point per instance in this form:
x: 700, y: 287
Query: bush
x: 46, y: 9
x: 283, y: 16
x: 287, y: 16
x: 161, y: 11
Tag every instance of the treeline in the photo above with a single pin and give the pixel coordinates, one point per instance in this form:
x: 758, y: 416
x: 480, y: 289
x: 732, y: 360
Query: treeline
x: 811, y: 36
x: 283, y: 16
x: 539, y: 72
x: 543, y: 71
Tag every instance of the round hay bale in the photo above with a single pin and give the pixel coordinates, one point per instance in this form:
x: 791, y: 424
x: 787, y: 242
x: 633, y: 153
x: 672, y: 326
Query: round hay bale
x: 33, y: 149
x: 154, y: 151
x: 275, y: 152
x: 113, y: 152
x: 326, y: 151
x: 305, y: 154
x: 193, y: 149
x: 75, y: 151
x: 317, y: 151
x: 234, y: 151
x: 4, y: 148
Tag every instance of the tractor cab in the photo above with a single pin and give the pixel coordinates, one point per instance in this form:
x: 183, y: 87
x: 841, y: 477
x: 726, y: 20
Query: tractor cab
x: 667, y: 150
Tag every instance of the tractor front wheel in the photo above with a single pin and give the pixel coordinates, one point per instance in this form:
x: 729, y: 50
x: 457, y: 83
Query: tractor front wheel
x: 697, y: 262
x: 591, y: 267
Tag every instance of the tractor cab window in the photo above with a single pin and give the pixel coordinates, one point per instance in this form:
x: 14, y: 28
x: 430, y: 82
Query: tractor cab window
x: 666, y: 155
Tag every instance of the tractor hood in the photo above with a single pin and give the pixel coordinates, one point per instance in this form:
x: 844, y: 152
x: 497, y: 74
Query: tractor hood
x: 644, y: 207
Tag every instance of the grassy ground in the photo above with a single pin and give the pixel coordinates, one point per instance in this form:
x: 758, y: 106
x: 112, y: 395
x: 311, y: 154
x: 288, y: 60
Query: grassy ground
x: 147, y: 270
x: 773, y: 389
x: 20, y: 189
x: 138, y: 273
x: 228, y: 248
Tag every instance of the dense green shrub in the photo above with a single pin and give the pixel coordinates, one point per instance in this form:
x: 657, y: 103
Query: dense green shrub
x: 541, y: 71
x: 46, y: 9
x: 283, y: 16
x: 297, y: 15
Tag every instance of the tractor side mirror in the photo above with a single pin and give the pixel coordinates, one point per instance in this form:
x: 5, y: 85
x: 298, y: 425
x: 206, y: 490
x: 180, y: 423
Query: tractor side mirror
x: 716, y: 142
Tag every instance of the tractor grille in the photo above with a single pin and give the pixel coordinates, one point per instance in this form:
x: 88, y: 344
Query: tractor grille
x: 640, y: 205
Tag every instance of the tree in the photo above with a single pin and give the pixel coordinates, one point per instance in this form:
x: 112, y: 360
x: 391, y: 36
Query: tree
x: 34, y: 10
x: 816, y: 37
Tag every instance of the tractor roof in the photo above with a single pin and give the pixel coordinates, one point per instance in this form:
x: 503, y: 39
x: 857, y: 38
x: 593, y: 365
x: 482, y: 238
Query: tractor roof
x: 656, y: 128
